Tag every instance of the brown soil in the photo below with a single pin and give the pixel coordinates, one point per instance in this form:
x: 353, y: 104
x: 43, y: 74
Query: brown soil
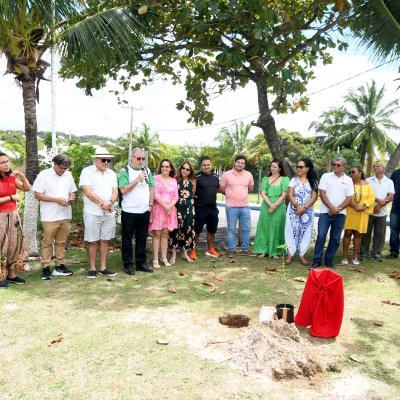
x: 276, y: 350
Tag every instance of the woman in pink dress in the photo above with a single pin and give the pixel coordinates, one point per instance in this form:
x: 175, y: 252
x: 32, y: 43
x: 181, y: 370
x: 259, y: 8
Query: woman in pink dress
x: 164, y: 216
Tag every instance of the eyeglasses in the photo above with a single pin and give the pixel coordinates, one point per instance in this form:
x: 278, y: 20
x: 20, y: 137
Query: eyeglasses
x: 185, y: 169
x: 353, y: 171
x: 300, y: 166
x: 105, y: 160
x: 140, y: 158
x: 337, y: 165
x: 63, y: 166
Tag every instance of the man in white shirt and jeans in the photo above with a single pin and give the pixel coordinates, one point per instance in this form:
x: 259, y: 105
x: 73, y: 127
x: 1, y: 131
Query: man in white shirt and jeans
x: 100, y: 187
x: 336, y: 190
x: 55, y: 189
x: 384, y: 191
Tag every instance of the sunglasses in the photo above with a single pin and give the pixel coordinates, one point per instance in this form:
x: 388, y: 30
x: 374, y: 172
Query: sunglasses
x: 140, y: 158
x: 300, y: 166
x: 105, y: 160
x: 185, y: 169
x: 353, y: 171
x: 337, y: 165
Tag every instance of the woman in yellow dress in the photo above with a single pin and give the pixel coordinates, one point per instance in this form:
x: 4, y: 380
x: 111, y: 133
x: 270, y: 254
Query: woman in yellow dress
x: 357, y: 214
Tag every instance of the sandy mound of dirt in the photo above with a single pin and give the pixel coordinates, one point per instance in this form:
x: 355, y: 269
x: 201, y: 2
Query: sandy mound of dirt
x: 274, y: 349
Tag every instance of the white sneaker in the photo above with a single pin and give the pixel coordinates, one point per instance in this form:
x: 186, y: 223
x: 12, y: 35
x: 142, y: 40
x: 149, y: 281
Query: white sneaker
x: 344, y: 262
x: 356, y: 262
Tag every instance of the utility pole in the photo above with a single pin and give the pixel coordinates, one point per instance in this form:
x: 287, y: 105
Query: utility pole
x: 131, y: 130
x: 53, y: 87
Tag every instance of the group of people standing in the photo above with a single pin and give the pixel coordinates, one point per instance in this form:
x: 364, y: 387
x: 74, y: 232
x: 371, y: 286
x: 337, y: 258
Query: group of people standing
x: 174, y: 206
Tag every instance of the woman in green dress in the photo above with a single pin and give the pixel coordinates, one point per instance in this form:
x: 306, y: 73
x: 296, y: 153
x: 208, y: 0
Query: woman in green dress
x: 183, y: 236
x: 270, y: 234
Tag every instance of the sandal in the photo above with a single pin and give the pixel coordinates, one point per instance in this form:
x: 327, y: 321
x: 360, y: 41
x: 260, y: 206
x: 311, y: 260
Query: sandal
x: 166, y: 263
x: 156, y: 265
x: 303, y: 261
x: 186, y: 257
x: 277, y: 257
x: 262, y: 255
x: 288, y: 260
x: 172, y: 260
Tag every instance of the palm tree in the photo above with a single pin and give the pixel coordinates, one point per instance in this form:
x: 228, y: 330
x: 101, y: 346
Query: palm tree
x: 329, y: 128
x: 376, y: 26
x: 366, y: 125
x: 28, y: 29
x: 151, y: 142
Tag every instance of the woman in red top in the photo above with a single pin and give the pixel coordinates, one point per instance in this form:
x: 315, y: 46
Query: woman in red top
x: 11, y: 245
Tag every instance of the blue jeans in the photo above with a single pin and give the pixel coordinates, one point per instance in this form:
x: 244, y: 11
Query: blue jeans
x: 233, y: 214
x: 326, y: 221
x: 394, y: 233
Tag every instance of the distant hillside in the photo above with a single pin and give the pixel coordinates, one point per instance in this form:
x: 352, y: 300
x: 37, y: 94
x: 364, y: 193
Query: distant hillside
x: 6, y: 135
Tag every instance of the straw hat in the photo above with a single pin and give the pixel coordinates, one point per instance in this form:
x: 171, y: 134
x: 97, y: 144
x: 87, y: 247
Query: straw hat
x: 101, y: 152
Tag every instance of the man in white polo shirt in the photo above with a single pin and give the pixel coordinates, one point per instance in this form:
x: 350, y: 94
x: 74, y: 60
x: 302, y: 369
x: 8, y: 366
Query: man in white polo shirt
x: 55, y: 189
x: 336, y: 190
x: 137, y: 187
x: 100, y: 187
x: 384, y: 191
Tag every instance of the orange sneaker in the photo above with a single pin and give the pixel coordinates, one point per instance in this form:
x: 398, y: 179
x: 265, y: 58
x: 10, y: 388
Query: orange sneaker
x: 212, y: 253
x: 193, y: 254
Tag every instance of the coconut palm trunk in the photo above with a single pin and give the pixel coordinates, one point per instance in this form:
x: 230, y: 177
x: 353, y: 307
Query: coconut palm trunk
x: 393, y: 161
x: 31, y: 204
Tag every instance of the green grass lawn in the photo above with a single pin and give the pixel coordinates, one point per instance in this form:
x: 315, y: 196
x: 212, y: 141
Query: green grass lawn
x: 111, y: 327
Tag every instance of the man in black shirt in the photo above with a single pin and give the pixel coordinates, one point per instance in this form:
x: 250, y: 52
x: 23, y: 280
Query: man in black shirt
x: 395, y: 217
x: 205, y: 205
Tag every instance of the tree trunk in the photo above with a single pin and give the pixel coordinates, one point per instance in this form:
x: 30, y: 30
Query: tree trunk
x: 32, y: 166
x: 362, y: 155
x: 29, y: 99
x: 328, y: 162
x: 266, y: 121
x: 393, y: 161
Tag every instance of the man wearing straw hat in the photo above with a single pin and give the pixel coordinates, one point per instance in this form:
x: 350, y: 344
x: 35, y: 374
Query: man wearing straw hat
x: 100, y: 189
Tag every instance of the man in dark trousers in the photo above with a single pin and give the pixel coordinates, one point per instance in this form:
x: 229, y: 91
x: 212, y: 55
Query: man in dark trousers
x: 205, y: 205
x: 136, y: 184
x: 395, y: 217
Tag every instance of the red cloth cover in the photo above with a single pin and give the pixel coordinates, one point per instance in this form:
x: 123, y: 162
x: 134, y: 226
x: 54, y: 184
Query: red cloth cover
x: 322, y: 303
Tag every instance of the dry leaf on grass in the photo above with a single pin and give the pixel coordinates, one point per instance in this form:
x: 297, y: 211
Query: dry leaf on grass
x: 162, y: 341
x: 378, y: 323
x: 110, y: 280
x: 394, y: 274
x: 181, y: 273
x: 222, y: 292
x: 392, y: 303
x: 59, y: 339
x: 233, y: 260
x: 172, y: 289
x: 355, y: 358
x: 357, y: 270
x: 218, y: 278
x: 208, y: 283
x: 299, y: 279
x: 270, y: 269
x: 212, y: 289
x: 380, y: 279
x: 244, y: 269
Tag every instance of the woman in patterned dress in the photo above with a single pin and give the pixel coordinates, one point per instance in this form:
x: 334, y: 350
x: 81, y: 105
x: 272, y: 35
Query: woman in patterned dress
x: 164, y: 216
x: 183, y: 236
x: 302, y: 194
x: 12, y: 250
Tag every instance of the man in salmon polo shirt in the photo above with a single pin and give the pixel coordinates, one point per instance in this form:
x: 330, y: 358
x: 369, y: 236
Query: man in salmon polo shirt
x: 236, y: 185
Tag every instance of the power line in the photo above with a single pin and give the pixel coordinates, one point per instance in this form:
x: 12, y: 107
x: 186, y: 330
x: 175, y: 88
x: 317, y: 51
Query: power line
x: 255, y: 114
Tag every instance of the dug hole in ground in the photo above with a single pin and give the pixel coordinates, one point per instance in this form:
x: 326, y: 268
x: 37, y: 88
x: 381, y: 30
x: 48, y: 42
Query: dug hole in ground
x: 287, y: 362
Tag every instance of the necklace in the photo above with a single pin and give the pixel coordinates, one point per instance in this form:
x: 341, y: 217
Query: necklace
x: 357, y: 201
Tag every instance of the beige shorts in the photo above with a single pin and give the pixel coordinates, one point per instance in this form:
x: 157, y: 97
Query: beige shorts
x: 99, y: 227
